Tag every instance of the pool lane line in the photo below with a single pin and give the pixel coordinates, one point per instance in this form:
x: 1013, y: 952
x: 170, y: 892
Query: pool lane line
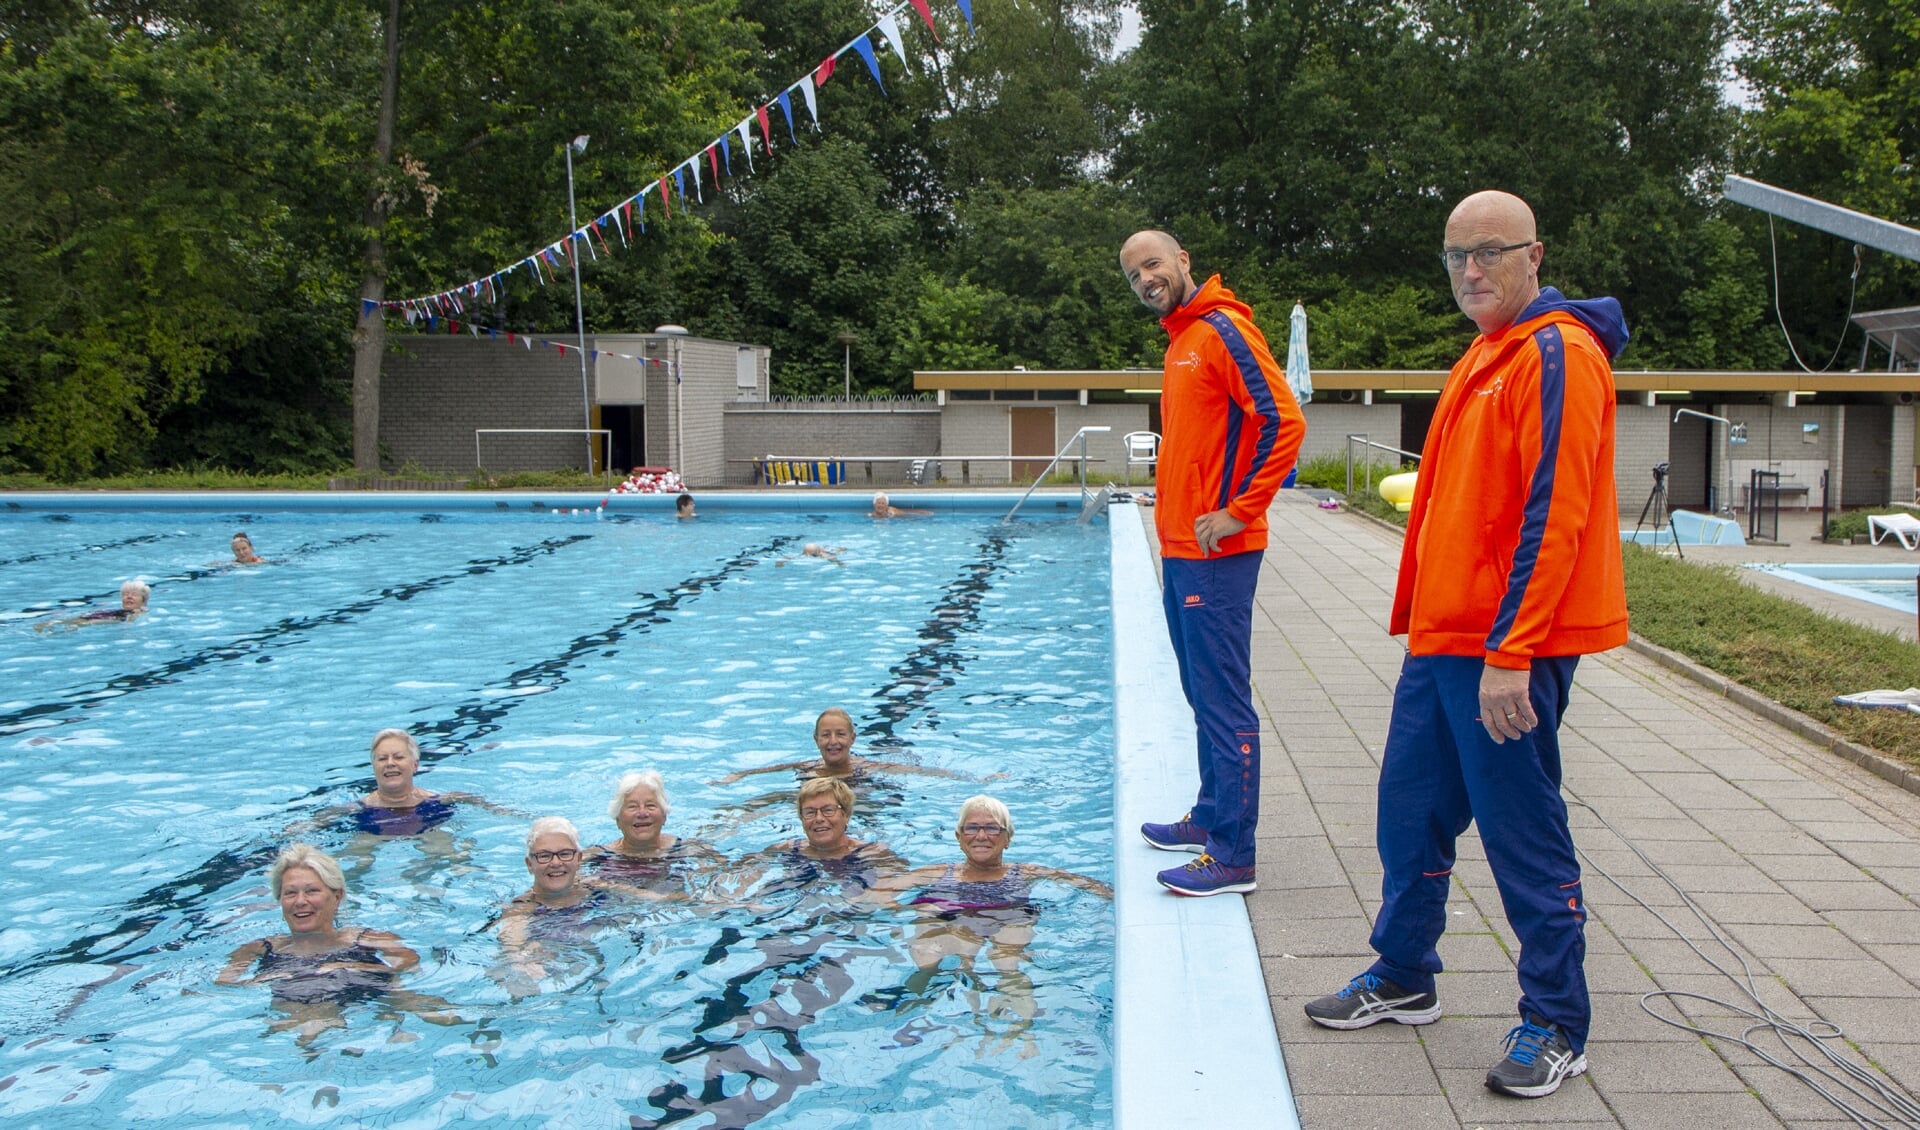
x: 151, y: 907
x: 224, y: 569
x: 76, y: 551
x: 266, y: 639
x: 804, y: 961
x: 925, y: 670
x: 481, y: 716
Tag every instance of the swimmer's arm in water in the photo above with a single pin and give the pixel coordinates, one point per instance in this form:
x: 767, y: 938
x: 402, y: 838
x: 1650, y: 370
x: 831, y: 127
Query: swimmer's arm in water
x: 320, y: 820
x: 628, y: 891
x: 238, y: 962
x: 399, y: 958
x: 783, y: 767
x: 887, y: 889
x: 481, y: 802
x: 922, y: 770
x: 1070, y: 878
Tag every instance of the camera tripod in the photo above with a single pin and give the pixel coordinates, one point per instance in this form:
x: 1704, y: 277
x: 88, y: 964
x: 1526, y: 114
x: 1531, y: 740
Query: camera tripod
x: 1657, y: 505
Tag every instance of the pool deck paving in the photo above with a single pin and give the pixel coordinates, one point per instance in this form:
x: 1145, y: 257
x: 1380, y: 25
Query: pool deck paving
x: 1808, y: 864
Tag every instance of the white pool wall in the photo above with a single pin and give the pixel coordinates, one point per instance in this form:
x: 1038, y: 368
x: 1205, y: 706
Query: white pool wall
x: 1194, y: 1042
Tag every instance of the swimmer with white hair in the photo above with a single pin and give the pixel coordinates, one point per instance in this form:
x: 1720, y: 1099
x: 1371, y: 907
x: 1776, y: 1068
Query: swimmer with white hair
x: 318, y: 967
x: 884, y: 508
x: 557, y: 913
x: 133, y: 605
x: 646, y: 855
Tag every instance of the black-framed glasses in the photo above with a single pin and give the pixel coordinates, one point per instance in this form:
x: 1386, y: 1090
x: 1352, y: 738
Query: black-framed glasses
x: 564, y: 855
x: 824, y: 812
x: 1487, y: 258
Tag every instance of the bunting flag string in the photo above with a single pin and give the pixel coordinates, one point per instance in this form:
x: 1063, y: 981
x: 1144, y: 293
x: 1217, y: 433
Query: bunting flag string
x: 628, y: 216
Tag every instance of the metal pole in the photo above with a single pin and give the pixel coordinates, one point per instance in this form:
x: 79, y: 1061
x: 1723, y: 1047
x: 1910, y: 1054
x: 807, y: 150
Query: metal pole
x: 846, y: 376
x: 579, y: 312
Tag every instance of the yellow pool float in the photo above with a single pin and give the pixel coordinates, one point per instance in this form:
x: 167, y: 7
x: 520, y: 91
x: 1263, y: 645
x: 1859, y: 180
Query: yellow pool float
x: 1398, y: 489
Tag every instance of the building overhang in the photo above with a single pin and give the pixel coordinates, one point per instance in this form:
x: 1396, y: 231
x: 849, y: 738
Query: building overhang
x: 1674, y: 382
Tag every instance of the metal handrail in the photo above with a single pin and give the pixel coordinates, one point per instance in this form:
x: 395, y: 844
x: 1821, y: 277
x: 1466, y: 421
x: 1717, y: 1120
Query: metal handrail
x: 1369, y: 446
x: 1079, y: 437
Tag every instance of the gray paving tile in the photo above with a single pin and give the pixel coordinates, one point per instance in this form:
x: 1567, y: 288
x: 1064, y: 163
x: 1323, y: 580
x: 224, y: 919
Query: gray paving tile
x: 1819, y: 865
x: 1894, y: 926
x: 1857, y: 894
x: 1784, y: 909
x: 1872, y: 1021
x: 1348, y: 1069
x: 1378, y: 1112
x: 1658, y: 1067
x: 1847, y: 978
x: 1819, y: 943
x: 1677, y: 1110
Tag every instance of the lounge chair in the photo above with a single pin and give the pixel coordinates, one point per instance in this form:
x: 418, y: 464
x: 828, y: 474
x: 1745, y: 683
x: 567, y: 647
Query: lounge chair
x: 1903, y: 526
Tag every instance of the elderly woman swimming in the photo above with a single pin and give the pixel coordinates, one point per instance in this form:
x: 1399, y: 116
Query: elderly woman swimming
x: 397, y: 806
x: 646, y: 854
x: 555, y: 918
x: 317, y: 966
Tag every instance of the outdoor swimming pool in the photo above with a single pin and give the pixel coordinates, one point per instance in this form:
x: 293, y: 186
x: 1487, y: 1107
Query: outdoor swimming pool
x: 149, y: 772
x: 1889, y: 586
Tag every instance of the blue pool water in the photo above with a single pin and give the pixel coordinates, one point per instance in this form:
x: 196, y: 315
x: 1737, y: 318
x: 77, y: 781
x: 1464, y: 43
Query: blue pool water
x: 1889, y: 586
x: 148, y: 773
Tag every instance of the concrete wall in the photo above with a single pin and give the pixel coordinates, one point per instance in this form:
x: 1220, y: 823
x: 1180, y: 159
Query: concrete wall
x: 1329, y: 423
x: 984, y: 428
x: 434, y: 391
x: 1639, y: 442
x: 829, y: 427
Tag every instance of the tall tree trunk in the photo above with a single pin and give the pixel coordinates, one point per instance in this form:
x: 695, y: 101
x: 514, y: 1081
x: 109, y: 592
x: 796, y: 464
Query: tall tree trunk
x: 370, y: 332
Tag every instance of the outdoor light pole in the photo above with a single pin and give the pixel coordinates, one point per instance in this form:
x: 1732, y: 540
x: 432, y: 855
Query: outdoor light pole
x: 579, y: 144
x: 846, y: 358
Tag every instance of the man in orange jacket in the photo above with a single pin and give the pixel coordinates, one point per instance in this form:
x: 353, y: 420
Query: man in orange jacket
x: 1232, y: 430
x: 1510, y: 572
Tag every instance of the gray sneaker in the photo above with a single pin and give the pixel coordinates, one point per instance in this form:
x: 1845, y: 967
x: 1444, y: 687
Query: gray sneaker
x: 1369, y: 999
x: 1538, y: 1058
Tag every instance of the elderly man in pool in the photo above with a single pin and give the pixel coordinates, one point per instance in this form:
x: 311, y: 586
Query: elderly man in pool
x: 884, y: 508
x: 317, y: 968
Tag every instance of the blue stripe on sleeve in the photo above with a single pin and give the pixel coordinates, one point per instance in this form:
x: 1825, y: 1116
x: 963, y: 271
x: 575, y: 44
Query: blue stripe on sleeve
x: 1255, y: 381
x: 1533, y: 519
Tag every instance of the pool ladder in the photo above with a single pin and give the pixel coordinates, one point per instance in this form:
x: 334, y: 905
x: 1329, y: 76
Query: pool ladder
x: 1091, y: 502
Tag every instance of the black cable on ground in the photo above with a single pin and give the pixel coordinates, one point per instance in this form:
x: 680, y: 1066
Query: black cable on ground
x: 1881, y: 1098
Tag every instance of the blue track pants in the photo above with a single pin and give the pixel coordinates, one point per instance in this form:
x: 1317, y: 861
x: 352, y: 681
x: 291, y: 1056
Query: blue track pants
x: 1209, y: 606
x: 1441, y: 772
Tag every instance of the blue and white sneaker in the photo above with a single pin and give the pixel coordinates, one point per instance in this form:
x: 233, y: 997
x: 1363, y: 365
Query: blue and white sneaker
x: 1208, y: 876
x: 1369, y: 999
x: 1538, y: 1058
x: 1181, y: 835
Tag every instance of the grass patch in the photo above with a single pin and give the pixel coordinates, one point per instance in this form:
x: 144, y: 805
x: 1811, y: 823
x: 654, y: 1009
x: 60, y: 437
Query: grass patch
x: 1794, y: 655
x: 179, y: 478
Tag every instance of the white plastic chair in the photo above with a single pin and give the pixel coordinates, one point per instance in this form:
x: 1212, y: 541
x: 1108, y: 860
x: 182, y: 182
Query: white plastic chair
x: 1142, y: 448
x: 1903, y: 526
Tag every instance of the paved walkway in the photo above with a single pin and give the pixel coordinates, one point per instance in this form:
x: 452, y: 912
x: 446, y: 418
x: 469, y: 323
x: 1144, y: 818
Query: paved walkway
x: 1810, y: 864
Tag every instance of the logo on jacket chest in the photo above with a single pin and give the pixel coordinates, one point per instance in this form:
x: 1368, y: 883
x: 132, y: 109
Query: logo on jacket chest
x: 1499, y: 383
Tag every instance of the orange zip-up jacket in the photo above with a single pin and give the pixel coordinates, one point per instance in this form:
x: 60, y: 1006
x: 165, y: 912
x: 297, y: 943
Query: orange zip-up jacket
x: 1230, y: 426
x: 1513, y: 544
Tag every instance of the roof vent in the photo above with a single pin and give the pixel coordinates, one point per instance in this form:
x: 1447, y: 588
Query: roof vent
x: 670, y: 328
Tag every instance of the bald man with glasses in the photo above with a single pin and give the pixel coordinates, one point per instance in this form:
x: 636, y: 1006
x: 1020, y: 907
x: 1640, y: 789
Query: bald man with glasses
x: 1509, y: 573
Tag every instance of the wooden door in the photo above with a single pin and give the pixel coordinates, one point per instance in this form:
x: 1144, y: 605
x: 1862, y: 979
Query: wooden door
x: 1032, y: 435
